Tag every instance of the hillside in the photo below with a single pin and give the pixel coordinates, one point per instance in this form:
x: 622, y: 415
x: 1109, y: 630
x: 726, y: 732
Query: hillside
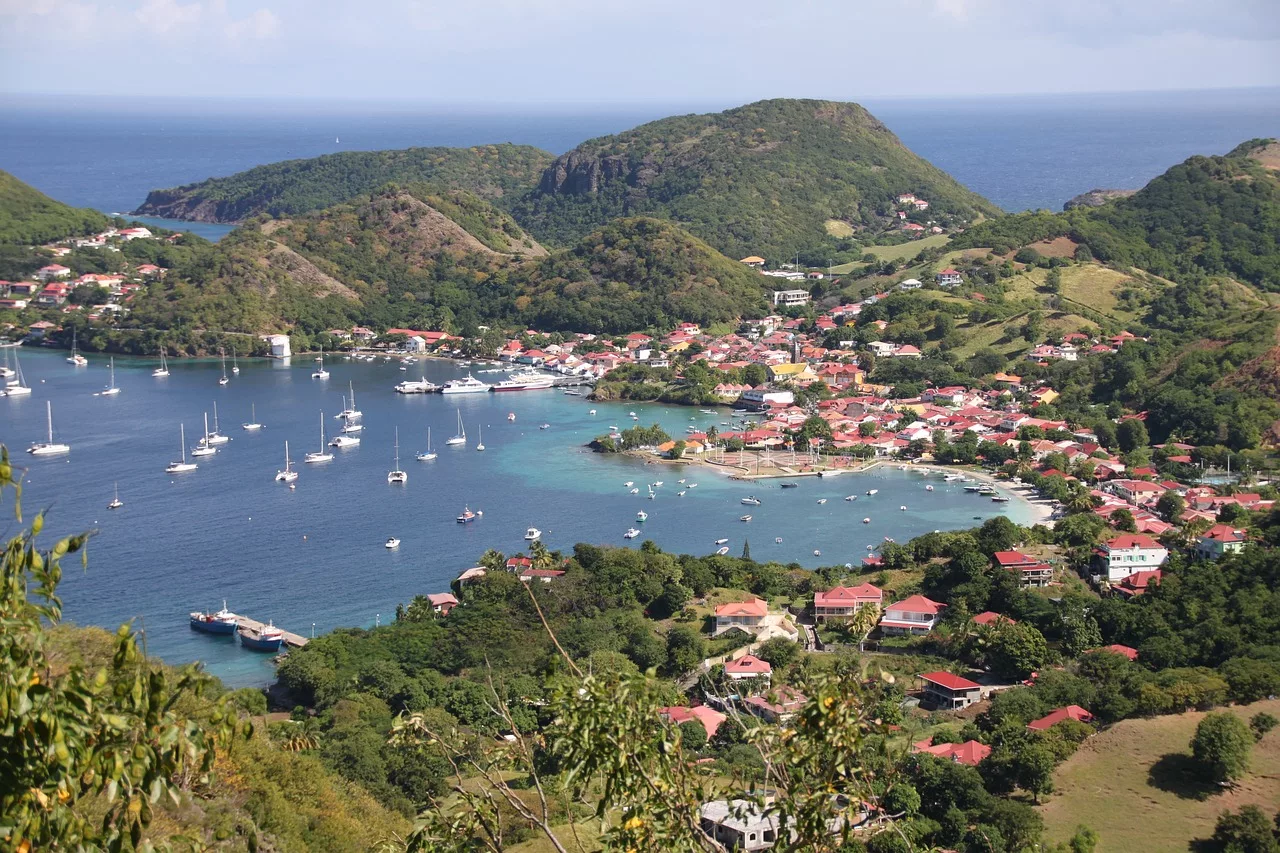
x: 29, y: 216
x: 636, y: 274
x: 302, y: 186
x: 764, y: 179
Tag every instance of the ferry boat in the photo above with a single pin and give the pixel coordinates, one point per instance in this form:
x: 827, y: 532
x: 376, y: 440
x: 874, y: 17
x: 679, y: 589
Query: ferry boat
x: 222, y: 622
x: 416, y: 386
x: 751, y: 500
x: 266, y: 639
x: 467, y: 516
x: 525, y: 382
x: 631, y: 533
x: 470, y: 385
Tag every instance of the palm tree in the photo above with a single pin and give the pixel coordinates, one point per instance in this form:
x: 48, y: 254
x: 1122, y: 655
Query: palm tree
x: 1080, y: 499
x: 540, y: 556
x: 494, y: 561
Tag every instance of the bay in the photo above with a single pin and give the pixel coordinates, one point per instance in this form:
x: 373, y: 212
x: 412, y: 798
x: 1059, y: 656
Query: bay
x: 313, y: 557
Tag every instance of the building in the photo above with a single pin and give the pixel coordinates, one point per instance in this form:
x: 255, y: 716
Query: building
x: 1128, y: 553
x: 914, y: 615
x: 791, y: 298
x: 763, y: 397
x: 778, y: 705
x: 442, y: 602
x: 1136, y: 583
x: 1116, y: 648
x: 709, y: 717
x: 748, y: 666
x: 1071, y: 712
x: 948, y: 692
x: 989, y: 618
x: 844, y: 601
x: 754, y: 261
x: 949, y: 278
x: 1033, y: 572
x: 1219, y: 540
x: 743, y: 615
x: 279, y: 345
x: 911, y: 284
x: 739, y: 825
x: 970, y: 752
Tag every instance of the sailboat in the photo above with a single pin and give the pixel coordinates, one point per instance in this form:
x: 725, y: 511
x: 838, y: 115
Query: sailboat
x: 17, y: 387
x: 111, y: 389
x: 235, y: 365
x: 216, y: 437
x: 320, y: 372
x: 224, y: 380
x: 76, y: 358
x: 116, y: 503
x: 253, y: 419
x: 350, y: 413
x: 7, y: 373
x: 480, y: 438
x: 396, y: 475
x: 320, y: 455
x: 49, y: 447
x: 184, y: 465
x: 429, y: 454
x: 461, y: 437
x: 203, y: 447
x: 288, y: 475
x: 163, y: 369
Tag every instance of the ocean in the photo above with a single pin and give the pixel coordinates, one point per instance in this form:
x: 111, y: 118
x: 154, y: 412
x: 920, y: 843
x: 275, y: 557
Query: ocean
x: 1020, y: 152
x: 313, y: 558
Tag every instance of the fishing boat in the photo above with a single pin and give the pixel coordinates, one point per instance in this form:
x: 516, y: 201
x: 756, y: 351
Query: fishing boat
x: 642, y: 516
x: 461, y: 437
x: 744, y: 518
x: 222, y: 622
x: 721, y: 541
x: 470, y: 385
x: 216, y: 437
x: 479, y: 438
x: 320, y: 372
x: 183, y: 465
x: 393, y: 542
x: 722, y: 550
x: 395, y: 475
x: 76, y: 358
x: 631, y: 533
x: 223, y: 380
x: 320, y: 455
x: 49, y: 447
x: 288, y: 475
x: 429, y: 454
x: 111, y: 390
x: 116, y: 503
x: 751, y: 500
x: 532, y: 534
x: 467, y: 516
x: 203, y: 447
x: 163, y: 369
x: 253, y: 424
x: 342, y: 441
x: 266, y: 639
x: 235, y: 364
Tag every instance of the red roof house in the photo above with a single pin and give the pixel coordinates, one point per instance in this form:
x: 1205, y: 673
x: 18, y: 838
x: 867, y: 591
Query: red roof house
x: 1071, y: 712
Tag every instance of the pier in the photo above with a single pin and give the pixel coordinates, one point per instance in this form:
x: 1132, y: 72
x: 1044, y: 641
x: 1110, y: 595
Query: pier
x: 292, y: 640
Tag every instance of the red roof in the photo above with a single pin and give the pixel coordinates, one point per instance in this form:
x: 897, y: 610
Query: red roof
x: 918, y: 604
x: 970, y: 752
x: 748, y: 664
x: 755, y: 607
x: 1224, y: 533
x: 949, y: 681
x: 1009, y: 559
x: 709, y: 717
x: 847, y: 596
x: 1132, y: 540
x: 1128, y: 651
x: 1071, y: 712
x: 990, y: 617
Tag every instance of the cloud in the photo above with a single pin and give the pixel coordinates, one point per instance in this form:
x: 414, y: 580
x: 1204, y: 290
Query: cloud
x: 260, y: 24
x: 164, y: 16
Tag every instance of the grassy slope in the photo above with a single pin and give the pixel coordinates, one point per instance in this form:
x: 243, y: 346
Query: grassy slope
x: 1109, y: 786
x: 29, y: 216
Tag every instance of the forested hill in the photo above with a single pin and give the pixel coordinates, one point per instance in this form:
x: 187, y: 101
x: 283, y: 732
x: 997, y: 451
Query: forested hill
x: 28, y: 216
x: 301, y: 186
x: 769, y: 178
x: 1209, y: 216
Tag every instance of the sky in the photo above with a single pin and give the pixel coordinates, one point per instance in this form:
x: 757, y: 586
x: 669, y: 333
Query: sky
x: 504, y: 52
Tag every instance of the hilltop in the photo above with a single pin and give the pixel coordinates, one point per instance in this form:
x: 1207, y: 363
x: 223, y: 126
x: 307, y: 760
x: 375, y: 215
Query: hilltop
x: 768, y: 178
x: 29, y: 216
x: 303, y: 186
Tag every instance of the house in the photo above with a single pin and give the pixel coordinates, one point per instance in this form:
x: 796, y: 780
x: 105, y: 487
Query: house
x: 1071, y: 712
x: 790, y: 298
x: 1128, y: 651
x: 471, y: 575
x: 1137, y: 583
x: 778, y: 705
x: 1033, y: 572
x: 279, y: 345
x: 748, y: 666
x: 914, y: 615
x: 442, y: 602
x: 1219, y: 540
x: 788, y: 372
x: 948, y: 692
x: 53, y: 271
x: 739, y: 825
x: 844, y: 601
x: 1128, y: 553
x: 544, y: 575
x: 135, y: 233
x: 990, y: 617
x: 906, y: 198
x: 709, y: 717
x: 754, y: 262
x: 911, y: 284
x: 970, y: 752
x: 744, y: 615
x: 948, y: 278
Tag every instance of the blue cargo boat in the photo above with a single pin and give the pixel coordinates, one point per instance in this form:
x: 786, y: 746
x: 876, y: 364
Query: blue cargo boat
x: 222, y: 622
x: 265, y: 639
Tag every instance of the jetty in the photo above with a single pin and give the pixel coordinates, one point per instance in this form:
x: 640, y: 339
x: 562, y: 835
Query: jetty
x: 292, y: 640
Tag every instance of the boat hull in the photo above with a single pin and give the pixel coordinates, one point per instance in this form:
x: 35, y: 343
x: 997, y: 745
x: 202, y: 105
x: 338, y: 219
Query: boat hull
x: 212, y: 627
x: 260, y: 644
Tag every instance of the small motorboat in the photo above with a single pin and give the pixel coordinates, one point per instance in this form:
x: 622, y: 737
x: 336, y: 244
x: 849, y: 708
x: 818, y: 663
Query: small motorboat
x: 393, y: 542
x: 693, y: 485
x: 903, y: 508
x: 656, y: 483
x: 888, y: 538
x: 866, y: 521
x: 642, y: 516
x: 721, y: 541
x: 744, y: 518
x: 631, y: 533
x: 592, y: 412
x: 544, y: 426
x: 532, y: 534
x: 467, y: 516
x: 511, y: 416
x: 822, y: 500
x: 680, y: 481
x: 721, y: 551
x: 751, y: 500
x: 629, y: 483
x: 873, y: 491
x: 790, y: 485
x: 817, y: 553
x: 928, y: 488
x: 631, y: 414
x: 851, y: 497
x: 634, y: 492
x: 680, y: 493
x: 778, y: 540
x: 1000, y: 499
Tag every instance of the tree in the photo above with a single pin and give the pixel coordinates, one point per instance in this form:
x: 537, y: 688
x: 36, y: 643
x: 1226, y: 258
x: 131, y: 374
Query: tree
x: 1171, y: 506
x: 746, y: 549
x: 1261, y: 723
x: 1221, y: 746
x: 1131, y: 435
x: 685, y: 649
x: 1123, y: 520
x: 778, y: 651
x: 693, y: 735
x: 1016, y: 651
x: 1247, y: 831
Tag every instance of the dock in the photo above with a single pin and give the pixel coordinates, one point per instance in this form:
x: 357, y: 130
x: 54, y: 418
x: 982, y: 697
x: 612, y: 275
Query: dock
x: 292, y: 640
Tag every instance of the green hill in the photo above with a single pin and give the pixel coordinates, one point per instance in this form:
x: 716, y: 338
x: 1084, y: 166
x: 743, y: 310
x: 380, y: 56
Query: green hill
x: 29, y: 216
x: 301, y: 186
x: 636, y: 274
x: 761, y: 179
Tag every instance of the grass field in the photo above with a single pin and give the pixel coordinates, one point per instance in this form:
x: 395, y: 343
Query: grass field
x: 1129, y: 784
x: 893, y: 253
x: 838, y: 228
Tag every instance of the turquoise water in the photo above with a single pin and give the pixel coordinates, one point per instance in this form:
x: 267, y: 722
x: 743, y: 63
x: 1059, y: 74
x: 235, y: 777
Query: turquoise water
x: 315, y: 555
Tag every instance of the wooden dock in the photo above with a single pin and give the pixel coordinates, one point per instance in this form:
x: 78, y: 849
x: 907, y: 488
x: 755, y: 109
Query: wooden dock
x: 292, y: 640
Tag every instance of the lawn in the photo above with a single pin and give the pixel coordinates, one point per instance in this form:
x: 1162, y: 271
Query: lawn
x: 894, y: 253
x: 1129, y: 785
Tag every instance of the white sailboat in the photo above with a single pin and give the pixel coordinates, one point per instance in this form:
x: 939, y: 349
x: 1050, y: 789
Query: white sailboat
x: 235, y: 365
x: 111, y: 390
x: 350, y: 413
x: 49, y: 447
x: 479, y: 438
x: 429, y: 454
x: 253, y: 424
x: 203, y: 447
x: 163, y: 369
x: 320, y: 455
x: 216, y: 437
x: 224, y: 380
x: 116, y: 503
x: 395, y: 475
x: 184, y: 465
x: 76, y: 358
x: 288, y: 475
x: 7, y: 373
x: 17, y: 387
x: 320, y: 372
x: 461, y: 437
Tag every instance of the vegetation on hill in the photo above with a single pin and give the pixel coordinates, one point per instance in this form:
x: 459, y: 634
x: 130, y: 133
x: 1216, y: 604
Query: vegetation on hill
x: 760, y: 179
x: 28, y: 216
x: 300, y: 186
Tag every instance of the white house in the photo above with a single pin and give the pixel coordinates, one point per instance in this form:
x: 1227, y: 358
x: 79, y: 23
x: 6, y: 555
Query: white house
x: 748, y: 666
x: 765, y: 396
x: 1129, y: 553
x: 790, y: 298
x: 949, y: 278
x: 914, y: 615
x: 279, y: 345
x: 745, y: 615
x: 911, y: 284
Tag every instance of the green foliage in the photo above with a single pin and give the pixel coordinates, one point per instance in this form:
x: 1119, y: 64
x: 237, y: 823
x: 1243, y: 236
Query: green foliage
x: 693, y: 735
x: 28, y: 216
x: 1246, y: 831
x: 1221, y: 746
x: 779, y: 652
x: 1261, y: 723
